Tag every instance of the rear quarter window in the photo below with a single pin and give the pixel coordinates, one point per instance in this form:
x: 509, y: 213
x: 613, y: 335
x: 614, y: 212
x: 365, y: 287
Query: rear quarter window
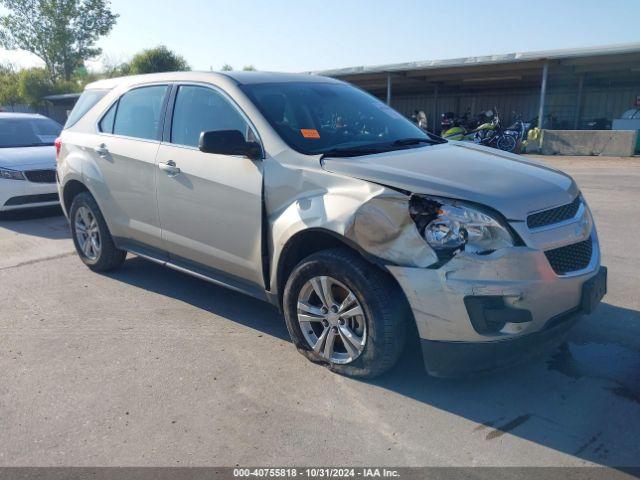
x: 85, y: 103
x: 106, y: 124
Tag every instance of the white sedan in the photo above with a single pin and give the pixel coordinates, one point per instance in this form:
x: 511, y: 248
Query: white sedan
x: 27, y: 161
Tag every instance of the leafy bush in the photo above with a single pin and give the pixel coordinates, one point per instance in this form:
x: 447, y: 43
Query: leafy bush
x: 159, y: 59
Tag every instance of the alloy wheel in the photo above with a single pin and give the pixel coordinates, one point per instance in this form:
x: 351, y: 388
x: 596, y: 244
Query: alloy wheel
x: 87, y: 233
x: 331, y: 319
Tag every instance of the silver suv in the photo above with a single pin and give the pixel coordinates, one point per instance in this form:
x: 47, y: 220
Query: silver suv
x: 306, y: 192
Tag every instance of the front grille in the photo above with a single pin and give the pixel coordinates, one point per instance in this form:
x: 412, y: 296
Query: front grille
x: 554, y: 215
x: 571, y: 257
x: 41, y: 176
x: 27, y: 199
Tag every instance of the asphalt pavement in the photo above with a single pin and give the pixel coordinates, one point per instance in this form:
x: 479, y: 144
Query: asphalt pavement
x: 149, y: 367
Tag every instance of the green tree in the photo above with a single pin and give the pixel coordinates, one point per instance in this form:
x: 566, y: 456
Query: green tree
x: 249, y: 68
x: 123, y: 69
x: 9, y: 94
x: 63, y: 33
x: 34, y: 84
x: 112, y: 68
x: 159, y: 59
x: 227, y: 68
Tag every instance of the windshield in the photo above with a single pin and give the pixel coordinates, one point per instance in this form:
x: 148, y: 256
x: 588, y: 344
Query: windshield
x: 329, y: 118
x: 28, y: 132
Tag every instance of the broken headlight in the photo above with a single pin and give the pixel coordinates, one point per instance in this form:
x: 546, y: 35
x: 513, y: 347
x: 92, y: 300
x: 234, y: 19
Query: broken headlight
x: 450, y: 225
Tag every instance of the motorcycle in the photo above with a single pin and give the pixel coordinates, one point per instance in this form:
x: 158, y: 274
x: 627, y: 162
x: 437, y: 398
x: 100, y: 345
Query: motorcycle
x: 447, y: 121
x: 488, y: 133
x: 518, y: 129
x: 464, y: 131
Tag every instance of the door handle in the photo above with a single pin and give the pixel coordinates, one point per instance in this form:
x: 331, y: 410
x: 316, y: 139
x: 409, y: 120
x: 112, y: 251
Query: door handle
x: 169, y: 167
x: 101, y: 150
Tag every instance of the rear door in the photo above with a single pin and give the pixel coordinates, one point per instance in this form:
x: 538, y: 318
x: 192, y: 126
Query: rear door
x: 210, y: 205
x: 125, y: 161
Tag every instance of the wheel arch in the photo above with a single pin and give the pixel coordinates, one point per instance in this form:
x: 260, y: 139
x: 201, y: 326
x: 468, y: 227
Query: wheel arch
x: 309, y: 241
x: 69, y: 191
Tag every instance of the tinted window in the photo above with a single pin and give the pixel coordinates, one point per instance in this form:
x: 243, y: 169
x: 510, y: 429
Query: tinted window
x: 138, y: 113
x: 28, y: 132
x: 86, y: 101
x: 201, y: 109
x: 106, y: 124
x: 314, y: 117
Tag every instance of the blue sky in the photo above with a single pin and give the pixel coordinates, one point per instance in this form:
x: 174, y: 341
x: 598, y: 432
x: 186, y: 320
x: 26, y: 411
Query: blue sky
x: 299, y: 36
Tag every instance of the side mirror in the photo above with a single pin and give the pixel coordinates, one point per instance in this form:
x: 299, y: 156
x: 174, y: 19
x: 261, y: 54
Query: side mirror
x: 229, y: 142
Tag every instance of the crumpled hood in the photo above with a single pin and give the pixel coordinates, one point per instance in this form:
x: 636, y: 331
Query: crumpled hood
x: 511, y: 184
x: 28, y: 158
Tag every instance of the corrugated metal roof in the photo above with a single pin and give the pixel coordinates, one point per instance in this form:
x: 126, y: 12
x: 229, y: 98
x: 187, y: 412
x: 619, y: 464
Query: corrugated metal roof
x: 506, y: 58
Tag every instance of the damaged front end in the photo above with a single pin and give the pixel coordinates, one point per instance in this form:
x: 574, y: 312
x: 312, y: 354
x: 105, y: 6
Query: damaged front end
x: 423, y: 231
x: 467, y: 274
x: 462, y: 267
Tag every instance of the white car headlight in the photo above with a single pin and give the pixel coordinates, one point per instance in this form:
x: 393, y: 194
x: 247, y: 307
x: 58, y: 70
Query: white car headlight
x: 7, y: 174
x: 450, y: 225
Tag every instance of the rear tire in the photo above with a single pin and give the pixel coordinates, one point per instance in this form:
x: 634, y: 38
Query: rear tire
x: 382, y: 326
x: 91, y: 235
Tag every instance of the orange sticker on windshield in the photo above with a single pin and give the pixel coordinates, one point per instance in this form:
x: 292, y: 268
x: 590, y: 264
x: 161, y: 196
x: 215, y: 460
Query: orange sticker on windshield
x: 309, y: 133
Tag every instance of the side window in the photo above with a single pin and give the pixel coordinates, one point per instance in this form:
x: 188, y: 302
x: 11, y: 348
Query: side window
x: 139, y: 111
x: 106, y: 124
x: 201, y: 109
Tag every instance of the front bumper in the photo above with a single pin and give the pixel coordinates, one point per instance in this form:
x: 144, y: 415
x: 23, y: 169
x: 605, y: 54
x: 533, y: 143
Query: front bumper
x: 521, y: 291
x: 450, y: 359
x: 19, y: 194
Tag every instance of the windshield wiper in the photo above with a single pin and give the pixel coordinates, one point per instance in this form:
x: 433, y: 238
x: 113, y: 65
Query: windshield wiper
x: 354, y: 151
x: 412, y: 141
x: 377, y: 148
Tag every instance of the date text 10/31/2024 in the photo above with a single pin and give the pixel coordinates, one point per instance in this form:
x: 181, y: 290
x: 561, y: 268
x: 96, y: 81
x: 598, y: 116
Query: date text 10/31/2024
x: 315, y: 472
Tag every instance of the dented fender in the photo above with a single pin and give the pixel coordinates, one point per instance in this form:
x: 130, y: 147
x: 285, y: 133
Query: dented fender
x: 382, y: 226
x: 373, y: 217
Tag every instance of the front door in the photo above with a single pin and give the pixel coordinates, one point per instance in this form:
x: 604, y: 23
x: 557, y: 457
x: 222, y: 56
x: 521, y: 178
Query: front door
x: 210, y: 205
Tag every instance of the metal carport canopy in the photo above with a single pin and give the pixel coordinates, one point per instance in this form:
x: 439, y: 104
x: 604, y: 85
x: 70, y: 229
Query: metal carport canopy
x: 605, y: 65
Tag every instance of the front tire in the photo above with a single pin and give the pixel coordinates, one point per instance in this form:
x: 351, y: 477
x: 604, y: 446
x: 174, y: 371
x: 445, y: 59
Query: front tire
x: 91, y: 235
x: 507, y: 143
x: 345, y: 313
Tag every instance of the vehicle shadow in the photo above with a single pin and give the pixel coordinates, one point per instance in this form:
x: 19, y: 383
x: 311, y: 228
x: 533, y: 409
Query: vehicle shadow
x: 215, y: 299
x: 582, y: 399
x: 46, y: 222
